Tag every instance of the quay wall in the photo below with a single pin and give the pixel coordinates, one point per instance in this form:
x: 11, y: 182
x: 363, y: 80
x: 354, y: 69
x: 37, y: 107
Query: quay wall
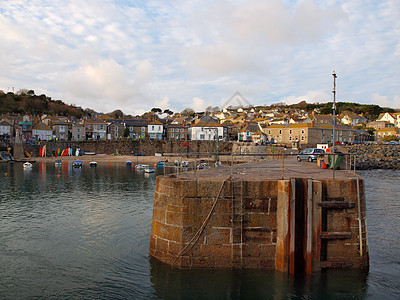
x: 193, y: 224
x: 129, y: 147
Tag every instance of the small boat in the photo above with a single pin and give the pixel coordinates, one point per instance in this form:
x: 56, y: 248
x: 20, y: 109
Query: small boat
x: 27, y: 165
x: 128, y: 163
x: 77, y: 164
x: 160, y: 164
x: 149, y: 170
x: 141, y: 167
x: 185, y: 164
x: 93, y: 164
x: 58, y: 162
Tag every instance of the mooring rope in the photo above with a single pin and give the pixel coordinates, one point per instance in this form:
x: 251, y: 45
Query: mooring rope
x: 196, y: 237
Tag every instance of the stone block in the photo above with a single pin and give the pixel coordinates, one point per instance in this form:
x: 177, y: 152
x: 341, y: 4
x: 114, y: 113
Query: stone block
x: 203, y: 262
x: 251, y: 250
x: 224, y: 205
x: 256, y: 205
x: 251, y: 263
x: 252, y: 189
x: 267, y: 264
x: 208, y: 189
x: 161, y: 245
x: 177, y: 208
x: 269, y: 188
x: 342, y: 251
x: 218, y: 236
x: 175, y: 248
x: 200, y: 205
x: 164, y: 231
x: 223, y: 262
x: 257, y: 235
x: 273, y: 204
x: 215, y: 250
x: 267, y: 251
x: 221, y: 220
x: 180, y: 219
x: 189, y: 188
x: 256, y: 220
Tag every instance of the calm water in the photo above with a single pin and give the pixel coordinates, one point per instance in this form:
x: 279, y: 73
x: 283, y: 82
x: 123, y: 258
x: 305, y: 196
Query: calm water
x: 84, y: 233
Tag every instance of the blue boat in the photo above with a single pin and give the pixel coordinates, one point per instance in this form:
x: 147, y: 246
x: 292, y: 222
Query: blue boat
x: 160, y: 164
x: 128, y: 163
x: 77, y: 164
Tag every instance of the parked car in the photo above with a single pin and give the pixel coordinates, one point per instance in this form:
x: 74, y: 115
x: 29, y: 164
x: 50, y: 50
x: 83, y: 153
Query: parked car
x: 310, y: 154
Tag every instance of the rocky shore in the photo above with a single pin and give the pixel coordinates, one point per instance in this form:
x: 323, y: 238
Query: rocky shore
x: 376, y: 156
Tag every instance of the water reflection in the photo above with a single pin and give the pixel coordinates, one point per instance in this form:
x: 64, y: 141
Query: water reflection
x: 173, y: 283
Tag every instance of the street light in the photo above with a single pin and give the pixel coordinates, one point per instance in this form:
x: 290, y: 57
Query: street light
x: 334, y: 109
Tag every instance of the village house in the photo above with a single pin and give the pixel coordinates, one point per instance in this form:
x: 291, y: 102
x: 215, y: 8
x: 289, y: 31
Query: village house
x: 61, y: 131
x: 388, y: 131
x: 177, y: 132
x: 308, y: 134
x: 155, y: 130
x: 137, y: 128
x: 251, y: 132
x: 6, y: 130
x: 380, y: 124
x: 352, y: 119
x: 207, y: 131
x: 96, y: 129
x: 115, y: 130
x: 78, y: 132
x: 42, y: 132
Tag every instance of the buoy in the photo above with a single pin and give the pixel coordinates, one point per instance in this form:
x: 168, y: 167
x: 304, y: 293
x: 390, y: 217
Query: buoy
x: 58, y: 175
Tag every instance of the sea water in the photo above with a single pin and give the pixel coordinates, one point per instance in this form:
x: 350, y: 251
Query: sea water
x: 69, y: 233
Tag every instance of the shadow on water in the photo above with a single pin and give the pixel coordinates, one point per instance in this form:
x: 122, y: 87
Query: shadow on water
x: 174, y: 283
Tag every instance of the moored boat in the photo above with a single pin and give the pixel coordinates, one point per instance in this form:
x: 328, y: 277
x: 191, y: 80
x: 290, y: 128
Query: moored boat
x: 77, y: 164
x: 149, y: 170
x: 58, y: 162
x: 93, y: 164
x: 27, y: 165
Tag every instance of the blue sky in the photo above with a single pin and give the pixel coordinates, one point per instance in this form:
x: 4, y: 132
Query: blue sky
x: 135, y: 55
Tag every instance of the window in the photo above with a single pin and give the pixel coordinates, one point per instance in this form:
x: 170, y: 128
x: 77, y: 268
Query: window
x: 152, y: 127
x: 269, y: 132
x: 78, y: 130
x: 116, y: 128
x: 131, y: 128
x: 143, y: 129
x: 323, y: 131
x: 78, y: 136
x: 116, y: 135
x: 172, y: 135
x: 280, y: 131
x: 302, y: 131
x: 181, y: 129
x: 302, y: 138
x: 290, y: 138
x: 182, y: 135
x: 101, y: 127
x: 202, y: 136
x: 290, y: 131
x: 172, y: 130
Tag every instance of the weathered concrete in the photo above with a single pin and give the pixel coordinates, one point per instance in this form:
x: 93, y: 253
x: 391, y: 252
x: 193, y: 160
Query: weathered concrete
x: 304, y: 221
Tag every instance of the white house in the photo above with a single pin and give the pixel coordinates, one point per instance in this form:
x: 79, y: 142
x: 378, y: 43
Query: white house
x: 5, y: 128
x: 155, y: 130
x: 208, y: 131
x: 42, y: 132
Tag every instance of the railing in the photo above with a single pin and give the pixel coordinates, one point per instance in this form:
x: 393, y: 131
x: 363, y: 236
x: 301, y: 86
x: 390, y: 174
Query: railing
x: 234, y: 161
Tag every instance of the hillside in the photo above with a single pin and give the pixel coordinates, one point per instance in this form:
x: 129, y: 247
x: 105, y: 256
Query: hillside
x: 29, y: 103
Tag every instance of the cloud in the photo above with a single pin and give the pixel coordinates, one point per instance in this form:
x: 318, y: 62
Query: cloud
x: 309, y: 97
x: 198, y: 104
x: 133, y: 54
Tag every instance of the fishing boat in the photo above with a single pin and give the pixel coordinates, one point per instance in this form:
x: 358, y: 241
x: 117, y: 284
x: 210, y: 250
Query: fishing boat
x: 149, y: 170
x: 77, y: 164
x: 93, y: 164
x: 58, y: 162
x: 141, y: 167
x: 128, y: 163
x: 27, y: 165
x: 160, y: 164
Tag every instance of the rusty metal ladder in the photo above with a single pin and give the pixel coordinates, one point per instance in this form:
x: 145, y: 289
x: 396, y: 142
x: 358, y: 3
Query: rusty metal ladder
x: 237, y: 223
x: 362, y: 229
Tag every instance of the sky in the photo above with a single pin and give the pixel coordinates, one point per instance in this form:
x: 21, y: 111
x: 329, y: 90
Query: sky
x: 135, y: 55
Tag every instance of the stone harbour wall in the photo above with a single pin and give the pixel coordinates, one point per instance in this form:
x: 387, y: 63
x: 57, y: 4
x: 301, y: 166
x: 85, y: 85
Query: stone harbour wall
x: 283, y: 227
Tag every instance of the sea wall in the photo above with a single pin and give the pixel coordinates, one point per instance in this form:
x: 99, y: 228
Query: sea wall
x: 283, y: 224
x: 376, y: 156
x: 128, y: 147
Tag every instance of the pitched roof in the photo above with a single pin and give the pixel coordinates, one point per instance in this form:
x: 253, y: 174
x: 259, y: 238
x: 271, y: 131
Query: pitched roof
x: 42, y: 126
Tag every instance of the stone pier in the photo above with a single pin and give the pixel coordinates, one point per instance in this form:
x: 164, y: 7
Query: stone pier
x: 256, y: 216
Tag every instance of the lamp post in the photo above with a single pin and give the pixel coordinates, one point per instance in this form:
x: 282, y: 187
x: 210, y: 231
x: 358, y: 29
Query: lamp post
x: 334, y: 110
